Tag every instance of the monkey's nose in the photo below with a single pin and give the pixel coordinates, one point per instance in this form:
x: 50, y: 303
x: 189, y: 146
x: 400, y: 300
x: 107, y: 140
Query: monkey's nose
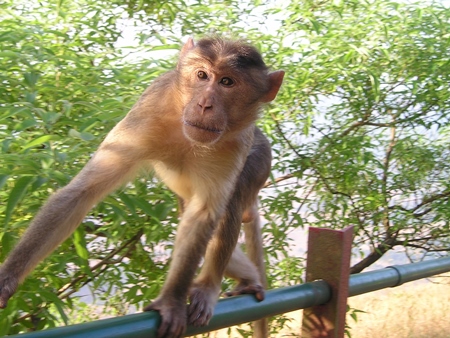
x: 205, y: 104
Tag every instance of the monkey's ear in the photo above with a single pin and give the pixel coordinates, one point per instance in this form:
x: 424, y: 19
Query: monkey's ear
x: 187, y: 46
x: 275, y: 81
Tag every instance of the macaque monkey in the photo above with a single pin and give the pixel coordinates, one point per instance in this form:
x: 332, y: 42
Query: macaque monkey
x: 195, y: 126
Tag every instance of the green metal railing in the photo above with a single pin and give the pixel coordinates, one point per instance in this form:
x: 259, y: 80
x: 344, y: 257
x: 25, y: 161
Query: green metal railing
x: 242, y: 309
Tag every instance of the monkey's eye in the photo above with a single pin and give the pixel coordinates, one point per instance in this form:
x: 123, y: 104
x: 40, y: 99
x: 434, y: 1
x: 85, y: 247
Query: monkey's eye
x: 202, y: 75
x: 226, y: 81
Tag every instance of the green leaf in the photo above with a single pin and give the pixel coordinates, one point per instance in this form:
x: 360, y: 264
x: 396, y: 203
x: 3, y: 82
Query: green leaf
x: 8, y: 54
x: 62, y: 312
x: 11, y: 111
x: 31, y: 78
x: 85, y: 136
x: 79, y: 241
x: 6, y: 321
x: 3, y: 179
x: 129, y: 202
x: 166, y: 47
x: 375, y: 85
x: 52, y: 298
x: 16, y: 195
x: 7, y: 241
x: 145, y: 206
x: 39, y: 141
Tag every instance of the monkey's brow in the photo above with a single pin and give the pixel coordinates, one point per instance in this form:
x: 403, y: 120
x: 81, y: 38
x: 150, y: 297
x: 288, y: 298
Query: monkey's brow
x: 242, y: 62
x: 199, y: 59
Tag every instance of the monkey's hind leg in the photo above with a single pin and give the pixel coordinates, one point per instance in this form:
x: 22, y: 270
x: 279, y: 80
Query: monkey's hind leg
x: 245, y: 272
x: 249, y: 271
x: 241, y: 269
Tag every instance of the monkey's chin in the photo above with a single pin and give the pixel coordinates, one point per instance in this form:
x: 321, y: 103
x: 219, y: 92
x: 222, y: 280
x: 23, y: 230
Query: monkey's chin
x: 200, y: 134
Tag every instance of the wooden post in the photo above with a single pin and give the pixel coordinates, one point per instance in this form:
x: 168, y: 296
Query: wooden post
x: 329, y: 253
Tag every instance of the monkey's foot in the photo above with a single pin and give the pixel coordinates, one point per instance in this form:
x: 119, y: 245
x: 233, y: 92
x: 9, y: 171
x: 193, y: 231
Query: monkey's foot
x: 8, y: 286
x: 173, y: 317
x: 246, y: 288
x: 202, y: 302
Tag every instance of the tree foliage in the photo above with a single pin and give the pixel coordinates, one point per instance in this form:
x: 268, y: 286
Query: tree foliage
x: 360, y: 133
x: 371, y: 98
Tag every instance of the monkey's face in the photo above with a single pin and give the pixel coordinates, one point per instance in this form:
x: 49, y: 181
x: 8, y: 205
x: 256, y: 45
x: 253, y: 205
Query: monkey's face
x: 223, y: 84
x: 206, y: 113
x: 220, y: 101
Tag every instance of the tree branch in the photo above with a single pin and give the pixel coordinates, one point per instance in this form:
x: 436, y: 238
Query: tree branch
x: 100, y: 266
x: 375, y: 255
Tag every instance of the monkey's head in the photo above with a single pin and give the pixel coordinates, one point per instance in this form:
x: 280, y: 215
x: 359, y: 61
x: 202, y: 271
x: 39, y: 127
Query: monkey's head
x: 223, y: 84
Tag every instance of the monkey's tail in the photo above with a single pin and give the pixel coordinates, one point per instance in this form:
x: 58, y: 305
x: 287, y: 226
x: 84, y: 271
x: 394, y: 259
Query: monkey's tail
x: 254, y: 246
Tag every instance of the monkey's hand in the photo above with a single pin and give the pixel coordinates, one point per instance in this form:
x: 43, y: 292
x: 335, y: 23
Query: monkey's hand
x: 173, y: 317
x: 8, y: 285
x: 244, y: 288
x: 203, y: 299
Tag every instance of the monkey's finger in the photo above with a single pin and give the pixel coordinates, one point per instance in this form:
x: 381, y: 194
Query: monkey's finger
x: 256, y: 290
x: 3, y: 302
x: 200, y: 318
x: 260, y: 295
x: 231, y: 293
x: 194, y: 313
x: 199, y: 312
x: 4, y: 297
x: 8, y: 285
x: 149, y: 308
x: 172, y: 327
x: 173, y: 319
x: 163, y: 330
x: 164, y: 326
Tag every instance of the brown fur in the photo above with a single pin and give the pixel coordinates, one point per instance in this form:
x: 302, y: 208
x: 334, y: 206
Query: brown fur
x: 195, y: 125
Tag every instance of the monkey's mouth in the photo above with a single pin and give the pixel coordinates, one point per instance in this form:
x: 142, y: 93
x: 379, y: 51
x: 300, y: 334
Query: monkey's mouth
x: 203, y: 127
x: 200, y: 133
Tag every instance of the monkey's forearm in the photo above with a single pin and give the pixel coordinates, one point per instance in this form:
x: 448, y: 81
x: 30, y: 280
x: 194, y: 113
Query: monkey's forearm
x: 221, y: 247
x: 52, y: 225
x: 188, y: 253
x: 63, y: 212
